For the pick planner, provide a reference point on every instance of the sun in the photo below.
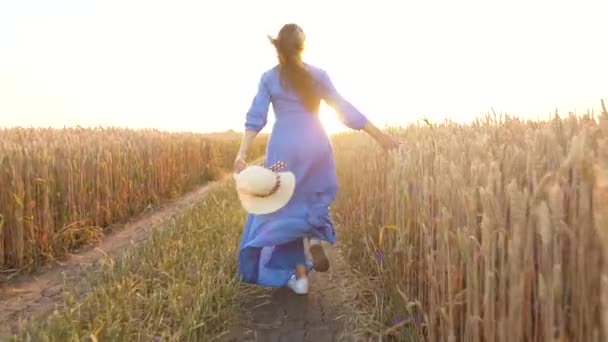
(330, 121)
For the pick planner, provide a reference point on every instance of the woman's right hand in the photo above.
(388, 142)
(239, 164)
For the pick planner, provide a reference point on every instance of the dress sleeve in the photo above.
(257, 115)
(347, 113)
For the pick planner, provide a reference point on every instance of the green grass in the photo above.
(178, 285)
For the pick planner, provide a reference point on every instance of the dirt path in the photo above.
(273, 315)
(27, 295)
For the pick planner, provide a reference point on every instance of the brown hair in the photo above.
(289, 45)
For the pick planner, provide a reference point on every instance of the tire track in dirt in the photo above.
(38, 293)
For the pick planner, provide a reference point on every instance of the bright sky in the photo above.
(194, 65)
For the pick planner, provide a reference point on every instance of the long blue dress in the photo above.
(272, 244)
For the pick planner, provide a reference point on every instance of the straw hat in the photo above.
(264, 190)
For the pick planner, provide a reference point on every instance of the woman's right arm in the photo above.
(348, 114)
(351, 116)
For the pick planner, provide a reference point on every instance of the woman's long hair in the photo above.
(289, 45)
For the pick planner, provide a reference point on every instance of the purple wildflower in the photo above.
(417, 317)
(379, 256)
(398, 319)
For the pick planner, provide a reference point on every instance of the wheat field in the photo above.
(60, 188)
(493, 231)
(178, 285)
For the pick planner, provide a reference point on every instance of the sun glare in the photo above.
(329, 118)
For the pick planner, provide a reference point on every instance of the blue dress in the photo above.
(273, 244)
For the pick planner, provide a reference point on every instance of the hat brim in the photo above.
(274, 202)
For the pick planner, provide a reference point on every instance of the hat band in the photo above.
(272, 191)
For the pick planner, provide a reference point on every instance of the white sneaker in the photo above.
(299, 286)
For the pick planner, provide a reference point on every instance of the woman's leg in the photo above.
(319, 260)
(296, 257)
(290, 254)
(301, 271)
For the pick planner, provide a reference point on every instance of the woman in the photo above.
(272, 247)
